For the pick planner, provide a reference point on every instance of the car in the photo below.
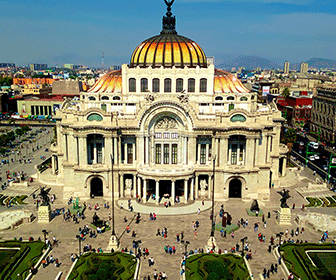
(301, 143)
(313, 145)
(317, 156)
(312, 158)
(325, 167)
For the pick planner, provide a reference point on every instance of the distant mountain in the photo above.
(248, 62)
(322, 63)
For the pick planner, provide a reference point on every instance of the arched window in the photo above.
(116, 98)
(144, 85)
(203, 85)
(230, 98)
(132, 85)
(191, 85)
(179, 85)
(167, 85)
(243, 98)
(156, 85)
(105, 98)
(91, 98)
(252, 97)
(218, 98)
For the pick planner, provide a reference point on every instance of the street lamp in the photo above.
(112, 194)
(44, 231)
(213, 196)
(79, 244)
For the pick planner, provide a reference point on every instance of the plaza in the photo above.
(163, 159)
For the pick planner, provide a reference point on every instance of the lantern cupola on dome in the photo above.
(168, 49)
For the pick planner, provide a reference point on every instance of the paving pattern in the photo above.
(146, 231)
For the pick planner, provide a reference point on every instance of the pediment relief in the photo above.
(166, 123)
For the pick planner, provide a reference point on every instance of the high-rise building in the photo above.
(304, 67)
(7, 65)
(38, 67)
(286, 67)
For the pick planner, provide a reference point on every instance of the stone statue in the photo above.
(166, 123)
(128, 184)
(203, 184)
(255, 206)
(184, 98)
(45, 196)
(150, 98)
(97, 221)
(284, 196)
(169, 4)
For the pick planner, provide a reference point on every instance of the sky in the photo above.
(79, 31)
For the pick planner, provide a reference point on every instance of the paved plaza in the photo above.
(178, 219)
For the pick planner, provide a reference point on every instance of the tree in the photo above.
(285, 92)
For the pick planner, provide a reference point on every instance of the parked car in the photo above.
(313, 145)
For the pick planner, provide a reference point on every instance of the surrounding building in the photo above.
(304, 68)
(323, 116)
(38, 67)
(296, 109)
(33, 81)
(68, 87)
(168, 126)
(35, 89)
(286, 67)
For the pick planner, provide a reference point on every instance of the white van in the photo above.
(313, 145)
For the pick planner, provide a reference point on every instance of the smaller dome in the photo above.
(227, 83)
(109, 83)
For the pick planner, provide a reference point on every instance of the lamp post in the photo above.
(79, 244)
(44, 231)
(213, 196)
(114, 242)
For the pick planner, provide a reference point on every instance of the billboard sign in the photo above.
(265, 90)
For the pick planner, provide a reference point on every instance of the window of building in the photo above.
(158, 153)
(144, 84)
(105, 98)
(132, 85)
(174, 136)
(166, 153)
(203, 85)
(218, 98)
(174, 154)
(179, 85)
(203, 154)
(167, 85)
(166, 135)
(156, 85)
(103, 107)
(230, 98)
(191, 85)
(231, 107)
(116, 98)
(241, 152)
(243, 98)
(91, 98)
(49, 110)
(158, 135)
(129, 153)
(234, 154)
(32, 109)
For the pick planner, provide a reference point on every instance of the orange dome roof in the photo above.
(109, 83)
(167, 50)
(224, 82)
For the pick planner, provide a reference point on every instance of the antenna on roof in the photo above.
(103, 61)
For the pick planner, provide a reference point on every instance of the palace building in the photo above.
(168, 125)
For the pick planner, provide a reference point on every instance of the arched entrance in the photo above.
(235, 188)
(96, 187)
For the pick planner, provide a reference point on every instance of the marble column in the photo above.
(134, 153)
(125, 153)
(192, 189)
(284, 166)
(209, 186)
(196, 187)
(139, 187)
(134, 186)
(173, 192)
(146, 149)
(115, 150)
(119, 149)
(82, 151)
(207, 154)
(157, 194)
(185, 191)
(198, 153)
(144, 191)
(122, 187)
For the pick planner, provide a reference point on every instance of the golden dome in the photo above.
(225, 82)
(167, 50)
(109, 83)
